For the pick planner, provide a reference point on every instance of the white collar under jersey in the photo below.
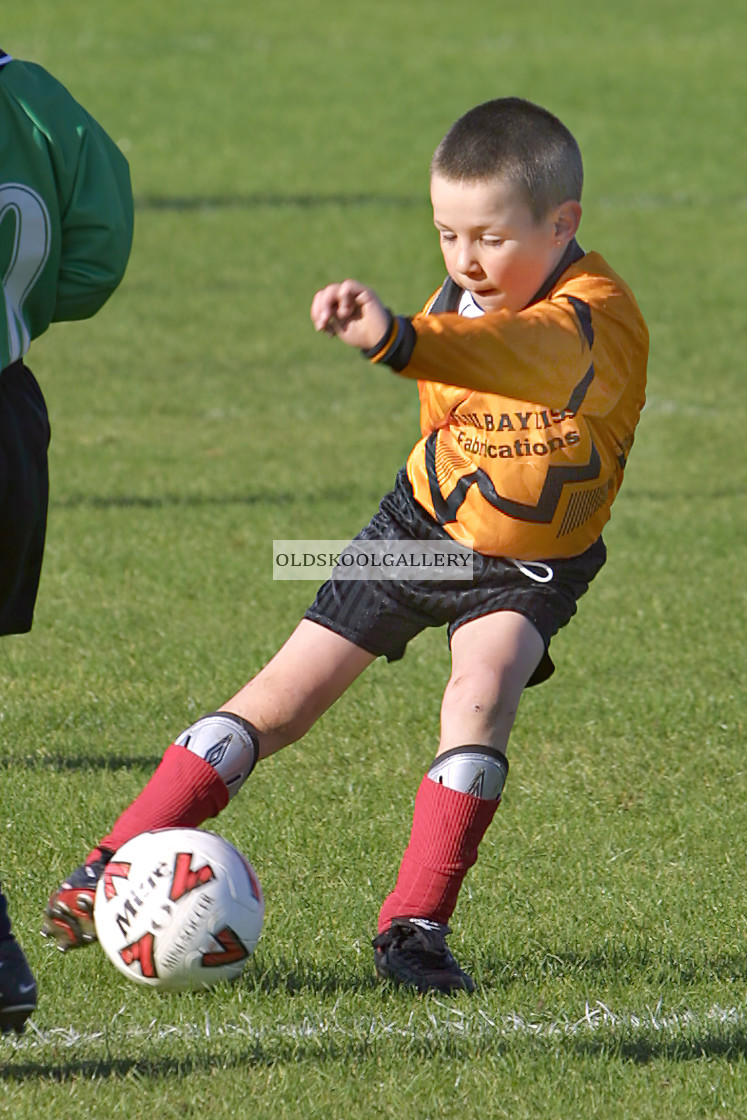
(469, 307)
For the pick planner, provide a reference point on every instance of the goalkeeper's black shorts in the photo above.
(383, 615)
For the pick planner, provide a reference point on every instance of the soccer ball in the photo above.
(178, 909)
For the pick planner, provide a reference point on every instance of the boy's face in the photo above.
(491, 242)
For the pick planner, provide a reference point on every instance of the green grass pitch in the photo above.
(274, 147)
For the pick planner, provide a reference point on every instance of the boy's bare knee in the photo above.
(481, 692)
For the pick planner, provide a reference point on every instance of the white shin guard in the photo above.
(228, 742)
(479, 771)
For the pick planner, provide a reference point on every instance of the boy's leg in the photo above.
(493, 657)
(276, 708)
(198, 773)
(304, 678)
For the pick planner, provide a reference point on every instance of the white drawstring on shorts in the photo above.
(528, 568)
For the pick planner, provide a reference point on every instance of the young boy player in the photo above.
(531, 362)
(66, 220)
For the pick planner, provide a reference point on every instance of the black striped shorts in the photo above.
(382, 616)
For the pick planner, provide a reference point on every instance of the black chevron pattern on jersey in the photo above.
(446, 507)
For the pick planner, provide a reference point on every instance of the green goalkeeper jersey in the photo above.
(66, 211)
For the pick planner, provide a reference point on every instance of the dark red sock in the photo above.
(447, 827)
(184, 791)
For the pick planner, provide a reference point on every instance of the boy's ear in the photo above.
(567, 219)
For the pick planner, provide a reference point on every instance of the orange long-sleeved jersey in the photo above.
(527, 419)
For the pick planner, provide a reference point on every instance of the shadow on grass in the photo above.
(274, 201)
(613, 964)
(301, 1044)
(304, 977)
(730, 1045)
(319, 1047)
(108, 1068)
(81, 762)
(395, 1025)
(161, 501)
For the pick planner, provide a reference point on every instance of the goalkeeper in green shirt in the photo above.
(66, 218)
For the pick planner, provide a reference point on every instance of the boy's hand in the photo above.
(352, 312)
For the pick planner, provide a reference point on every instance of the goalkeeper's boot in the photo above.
(68, 918)
(413, 951)
(17, 987)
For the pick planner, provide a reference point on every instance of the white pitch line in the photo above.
(475, 1025)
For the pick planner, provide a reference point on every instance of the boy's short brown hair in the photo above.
(515, 140)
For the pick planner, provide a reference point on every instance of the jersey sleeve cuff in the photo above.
(395, 347)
